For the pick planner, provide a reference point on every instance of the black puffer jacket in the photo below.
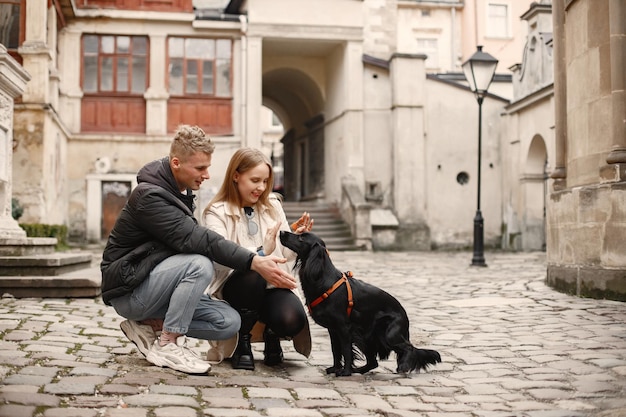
(158, 222)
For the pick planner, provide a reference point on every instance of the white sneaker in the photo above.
(177, 356)
(141, 335)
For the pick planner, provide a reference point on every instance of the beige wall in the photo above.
(452, 137)
(439, 23)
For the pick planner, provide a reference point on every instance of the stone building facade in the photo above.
(377, 116)
(586, 222)
(365, 107)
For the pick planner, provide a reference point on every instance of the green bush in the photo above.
(16, 209)
(47, 230)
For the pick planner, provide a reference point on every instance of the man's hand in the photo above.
(267, 266)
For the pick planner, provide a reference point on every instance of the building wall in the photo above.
(452, 141)
(437, 25)
(586, 221)
(377, 135)
(528, 145)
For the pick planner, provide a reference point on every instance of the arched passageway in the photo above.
(297, 100)
(534, 190)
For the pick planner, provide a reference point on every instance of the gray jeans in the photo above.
(174, 292)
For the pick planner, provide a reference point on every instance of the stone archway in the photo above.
(298, 101)
(533, 185)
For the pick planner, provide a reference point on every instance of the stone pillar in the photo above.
(408, 79)
(35, 53)
(617, 29)
(252, 91)
(353, 119)
(71, 93)
(156, 96)
(560, 96)
(13, 81)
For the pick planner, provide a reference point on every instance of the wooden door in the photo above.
(114, 196)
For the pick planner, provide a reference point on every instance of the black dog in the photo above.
(355, 313)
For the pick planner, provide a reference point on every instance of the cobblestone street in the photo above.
(510, 347)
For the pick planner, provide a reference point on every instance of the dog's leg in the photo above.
(345, 346)
(341, 345)
(335, 346)
(370, 363)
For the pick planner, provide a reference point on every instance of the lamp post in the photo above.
(479, 70)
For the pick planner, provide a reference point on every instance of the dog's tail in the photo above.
(414, 359)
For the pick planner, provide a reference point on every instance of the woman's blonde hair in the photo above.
(243, 160)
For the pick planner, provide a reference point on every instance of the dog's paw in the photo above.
(343, 372)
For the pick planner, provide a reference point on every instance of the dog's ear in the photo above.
(316, 261)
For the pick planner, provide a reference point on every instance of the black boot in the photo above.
(242, 358)
(273, 352)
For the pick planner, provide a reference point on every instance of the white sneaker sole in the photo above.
(162, 361)
(138, 338)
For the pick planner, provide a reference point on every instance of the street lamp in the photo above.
(479, 71)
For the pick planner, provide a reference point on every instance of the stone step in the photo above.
(77, 284)
(329, 225)
(52, 264)
(27, 246)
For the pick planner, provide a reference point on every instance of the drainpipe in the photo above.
(244, 75)
(452, 36)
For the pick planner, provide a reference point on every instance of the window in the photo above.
(200, 84)
(114, 80)
(498, 20)
(429, 47)
(199, 67)
(12, 25)
(115, 64)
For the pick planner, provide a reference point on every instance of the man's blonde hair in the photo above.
(189, 140)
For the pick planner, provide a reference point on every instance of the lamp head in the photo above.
(479, 70)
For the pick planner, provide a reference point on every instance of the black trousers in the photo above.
(280, 309)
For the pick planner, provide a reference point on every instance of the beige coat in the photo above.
(231, 222)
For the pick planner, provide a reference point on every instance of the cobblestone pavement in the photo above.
(510, 347)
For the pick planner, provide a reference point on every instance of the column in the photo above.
(353, 125)
(253, 92)
(71, 92)
(560, 97)
(35, 53)
(156, 96)
(408, 83)
(617, 29)
(13, 81)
